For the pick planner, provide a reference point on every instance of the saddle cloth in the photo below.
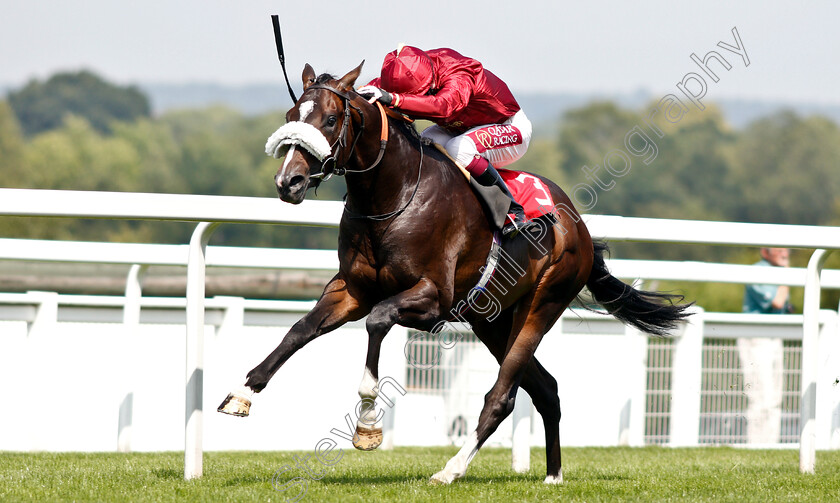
(529, 191)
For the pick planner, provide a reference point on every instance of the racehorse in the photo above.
(412, 242)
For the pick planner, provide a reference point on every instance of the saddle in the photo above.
(527, 189)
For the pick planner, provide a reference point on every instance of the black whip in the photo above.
(278, 39)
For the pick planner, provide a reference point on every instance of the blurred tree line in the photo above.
(76, 131)
(779, 169)
(215, 151)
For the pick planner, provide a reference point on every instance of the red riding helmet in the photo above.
(407, 70)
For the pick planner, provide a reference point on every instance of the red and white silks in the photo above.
(500, 144)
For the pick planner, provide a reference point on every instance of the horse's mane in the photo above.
(409, 127)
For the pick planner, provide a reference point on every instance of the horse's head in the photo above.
(314, 139)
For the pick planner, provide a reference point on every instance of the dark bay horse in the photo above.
(412, 241)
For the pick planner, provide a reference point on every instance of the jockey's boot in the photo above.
(491, 177)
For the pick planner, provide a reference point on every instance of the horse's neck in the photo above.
(389, 185)
(439, 207)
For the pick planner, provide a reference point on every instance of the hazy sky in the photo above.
(596, 46)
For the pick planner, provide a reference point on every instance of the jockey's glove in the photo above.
(373, 93)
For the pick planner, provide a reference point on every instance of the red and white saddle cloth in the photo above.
(529, 191)
(535, 198)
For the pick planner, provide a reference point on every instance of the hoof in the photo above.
(442, 478)
(235, 405)
(367, 440)
(554, 479)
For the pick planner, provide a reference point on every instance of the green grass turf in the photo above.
(591, 475)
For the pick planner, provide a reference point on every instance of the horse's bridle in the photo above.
(341, 141)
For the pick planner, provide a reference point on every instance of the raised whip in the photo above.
(278, 40)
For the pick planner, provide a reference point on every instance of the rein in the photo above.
(387, 216)
(342, 138)
(342, 142)
(383, 139)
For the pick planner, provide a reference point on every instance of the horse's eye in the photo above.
(331, 121)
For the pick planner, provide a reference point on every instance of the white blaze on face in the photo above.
(282, 142)
(305, 109)
(286, 162)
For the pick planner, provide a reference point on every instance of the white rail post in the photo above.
(828, 375)
(392, 363)
(46, 314)
(39, 330)
(131, 328)
(196, 265)
(632, 422)
(833, 368)
(810, 363)
(521, 438)
(687, 382)
(234, 315)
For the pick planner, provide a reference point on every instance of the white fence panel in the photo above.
(76, 406)
(217, 209)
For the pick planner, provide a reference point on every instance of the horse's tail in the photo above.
(652, 312)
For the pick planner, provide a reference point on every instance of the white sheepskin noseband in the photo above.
(298, 133)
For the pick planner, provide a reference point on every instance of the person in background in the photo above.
(762, 358)
(769, 299)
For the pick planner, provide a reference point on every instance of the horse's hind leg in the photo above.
(517, 366)
(542, 388)
(498, 404)
(523, 339)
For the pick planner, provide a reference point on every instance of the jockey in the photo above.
(477, 120)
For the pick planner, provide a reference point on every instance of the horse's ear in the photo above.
(348, 81)
(308, 76)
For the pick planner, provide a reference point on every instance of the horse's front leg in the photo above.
(417, 307)
(336, 307)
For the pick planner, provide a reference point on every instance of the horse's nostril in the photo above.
(296, 180)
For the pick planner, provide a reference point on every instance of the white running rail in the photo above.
(210, 211)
